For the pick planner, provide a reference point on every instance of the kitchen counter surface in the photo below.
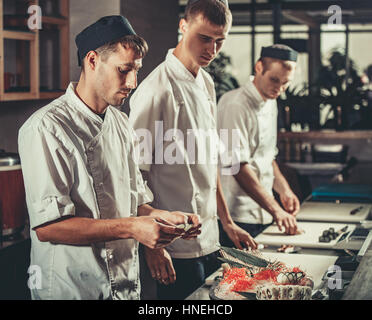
(360, 287)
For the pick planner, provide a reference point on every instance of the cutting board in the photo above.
(309, 239)
(333, 212)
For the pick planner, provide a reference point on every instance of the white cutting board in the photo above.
(335, 212)
(313, 265)
(310, 239)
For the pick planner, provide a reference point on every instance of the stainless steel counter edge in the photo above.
(360, 287)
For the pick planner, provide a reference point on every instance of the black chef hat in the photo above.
(105, 30)
(225, 2)
(285, 53)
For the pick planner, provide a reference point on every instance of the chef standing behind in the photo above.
(87, 202)
(252, 109)
(175, 102)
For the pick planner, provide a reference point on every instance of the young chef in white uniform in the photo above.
(252, 109)
(86, 198)
(176, 100)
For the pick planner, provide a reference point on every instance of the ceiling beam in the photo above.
(301, 5)
(301, 18)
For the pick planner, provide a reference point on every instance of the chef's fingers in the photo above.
(193, 219)
(279, 223)
(153, 272)
(290, 205)
(286, 226)
(195, 229)
(251, 243)
(296, 207)
(237, 243)
(171, 273)
(191, 235)
(292, 226)
(171, 230)
(164, 278)
(164, 222)
(295, 228)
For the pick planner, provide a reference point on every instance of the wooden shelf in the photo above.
(50, 95)
(55, 21)
(15, 96)
(326, 134)
(36, 39)
(19, 35)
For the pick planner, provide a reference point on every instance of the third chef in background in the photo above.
(252, 109)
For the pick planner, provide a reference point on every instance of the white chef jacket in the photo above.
(172, 97)
(76, 164)
(244, 109)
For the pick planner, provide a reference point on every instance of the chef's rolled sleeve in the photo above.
(50, 209)
(48, 177)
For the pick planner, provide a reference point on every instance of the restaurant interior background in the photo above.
(325, 122)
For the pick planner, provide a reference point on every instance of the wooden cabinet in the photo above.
(34, 62)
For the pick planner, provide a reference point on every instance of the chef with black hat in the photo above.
(252, 109)
(87, 202)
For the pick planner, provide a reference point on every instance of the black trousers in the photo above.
(190, 275)
(253, 229)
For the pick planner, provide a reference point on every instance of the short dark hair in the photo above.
(135, 42)
(214, 11)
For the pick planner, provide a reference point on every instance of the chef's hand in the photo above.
(154, 232)
(290, 202)
(239, 236)
(177, 217)
(286, 220)
(160, 265)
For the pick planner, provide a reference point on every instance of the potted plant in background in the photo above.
(340, 94)
(224, 81)
(342, 90)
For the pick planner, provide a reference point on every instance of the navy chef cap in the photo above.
(105, 30)
(225, 2)
(287, 53)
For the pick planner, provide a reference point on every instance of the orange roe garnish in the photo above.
(269, 275)
(243, 285)
(234, 274)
